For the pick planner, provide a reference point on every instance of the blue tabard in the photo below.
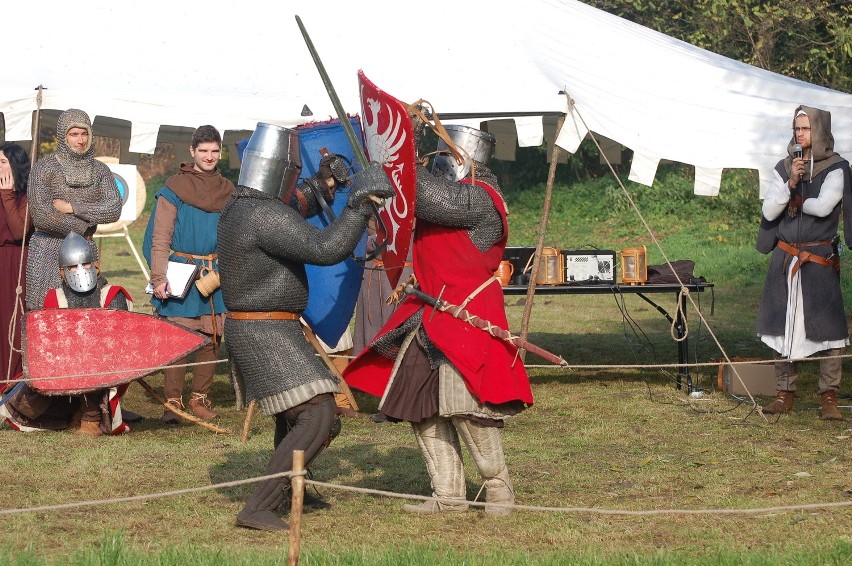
(195, 233)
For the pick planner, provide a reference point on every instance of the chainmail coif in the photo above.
(76, 178)
(78, 167)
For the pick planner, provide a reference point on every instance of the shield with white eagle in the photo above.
(389, 140)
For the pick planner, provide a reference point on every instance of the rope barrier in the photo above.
(567, 366)
(147, 496)
(396, 495)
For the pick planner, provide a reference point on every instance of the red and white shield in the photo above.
(72, 351)
(389, 140)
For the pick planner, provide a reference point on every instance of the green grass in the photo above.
(595, 438)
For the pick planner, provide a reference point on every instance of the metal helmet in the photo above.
(478, 144)
(76, 252)
(271, 162)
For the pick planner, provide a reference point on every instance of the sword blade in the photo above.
(347, 128)
(335, 101)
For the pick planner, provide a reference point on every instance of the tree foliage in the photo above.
(810, 40)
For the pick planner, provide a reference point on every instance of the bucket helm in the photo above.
(271, 161)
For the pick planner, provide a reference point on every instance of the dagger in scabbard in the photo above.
(484, 325)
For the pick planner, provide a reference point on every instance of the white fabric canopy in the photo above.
(181, 63)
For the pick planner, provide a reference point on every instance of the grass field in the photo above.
(598, 439)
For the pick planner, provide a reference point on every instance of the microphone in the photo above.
(795, 203)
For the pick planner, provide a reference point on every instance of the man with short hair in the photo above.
(801, 311)
(182, 228)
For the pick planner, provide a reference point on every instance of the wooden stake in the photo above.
(247, 423)
(181, 414)
(297, 486)
(542, 230)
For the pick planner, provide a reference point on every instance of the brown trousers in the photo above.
(202, 375)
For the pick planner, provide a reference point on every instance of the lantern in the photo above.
(634, 267)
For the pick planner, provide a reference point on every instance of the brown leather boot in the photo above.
(89, 428)
(200, 406)
(782, 405)
(828, 406)
(170, 417)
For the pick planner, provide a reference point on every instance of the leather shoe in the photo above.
(262, 520)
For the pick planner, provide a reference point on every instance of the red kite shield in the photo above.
(72, 351)
(389, 140)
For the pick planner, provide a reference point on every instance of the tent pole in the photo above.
(36, 127)
(542, 229)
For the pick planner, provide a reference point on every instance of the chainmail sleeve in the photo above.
(100, 204)
(47, 182)
(459, 205)
(264, 246)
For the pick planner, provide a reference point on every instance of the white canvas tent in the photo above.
(183, 64)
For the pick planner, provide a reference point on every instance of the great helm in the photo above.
(76, 251)
(478, 144)
(271, 163)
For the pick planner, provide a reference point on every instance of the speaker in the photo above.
(589, 266)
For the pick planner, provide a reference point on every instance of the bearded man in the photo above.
(69, 191)
(801, 310)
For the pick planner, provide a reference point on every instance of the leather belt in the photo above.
(208, 257)
(806, 256)
(379, 263)
(263, 315)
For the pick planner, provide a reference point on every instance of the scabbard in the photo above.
(484, 325)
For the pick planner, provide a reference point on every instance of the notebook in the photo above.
(180, 277)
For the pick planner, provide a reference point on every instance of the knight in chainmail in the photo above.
(264, 245)
(69, 191)
(89, 414)
(446, 378)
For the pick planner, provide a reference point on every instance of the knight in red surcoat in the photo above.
(445, 377)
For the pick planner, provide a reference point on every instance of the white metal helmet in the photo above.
(271, 162)
(478, 144)
(77, 253)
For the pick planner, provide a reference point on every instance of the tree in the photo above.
(810, 40)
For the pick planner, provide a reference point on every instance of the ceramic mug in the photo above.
(504, 272)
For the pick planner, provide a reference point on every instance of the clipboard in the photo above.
(180, 277)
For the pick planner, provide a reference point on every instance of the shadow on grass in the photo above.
(398, 469)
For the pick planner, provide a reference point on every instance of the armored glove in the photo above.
(372, 181)
(335, 168)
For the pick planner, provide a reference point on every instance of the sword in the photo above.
(484, 325)
(347, 128)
